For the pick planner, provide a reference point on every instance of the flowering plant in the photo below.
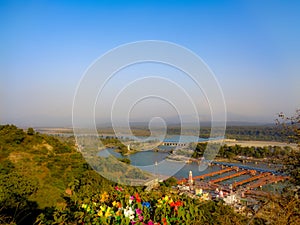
(110, 209)
(129, 206)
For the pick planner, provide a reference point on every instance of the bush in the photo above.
(30, 131)
(129, 206)
(125, 160)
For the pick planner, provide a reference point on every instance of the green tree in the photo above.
(30, 131)
(199, 151)
(171, 181)
(11, 135)
(15, 191)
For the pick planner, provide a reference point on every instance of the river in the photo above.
(146, 160)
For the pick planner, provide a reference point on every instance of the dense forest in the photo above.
(261, 133)
(45, 180)
(230, 152)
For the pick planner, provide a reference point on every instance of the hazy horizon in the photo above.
(252, 47)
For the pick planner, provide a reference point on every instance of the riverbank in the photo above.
(188, 160)
(232, 142)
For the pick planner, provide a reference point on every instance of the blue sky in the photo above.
(251, 46)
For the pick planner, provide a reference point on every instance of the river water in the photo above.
(155, 162)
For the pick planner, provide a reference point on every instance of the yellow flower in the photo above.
(119, 213)
(108, 212)
(104, 197)
(159, 203)
(117, 204)
(167, 199)
(102, 208)
(100, 213)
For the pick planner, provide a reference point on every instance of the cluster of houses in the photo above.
(204, 191)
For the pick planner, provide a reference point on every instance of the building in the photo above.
(190, 178)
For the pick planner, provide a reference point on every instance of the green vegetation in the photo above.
(114, 142)
(291, 126)
(253, 133)
(125, 160)
(269, 132)
(255, 152)
(171, 181)
(257, 133)
(35, 170)
(125, 205)
(230, 152)
(30, 131)
(44, 180)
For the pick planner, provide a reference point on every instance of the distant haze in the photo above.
(251, 46)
